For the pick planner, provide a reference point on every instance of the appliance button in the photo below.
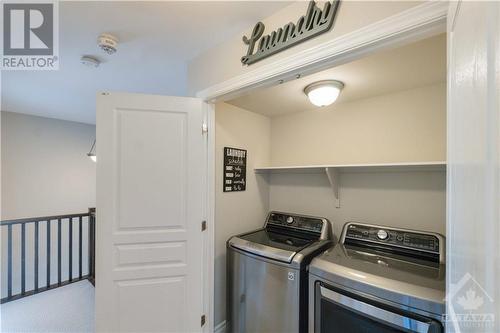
(289, 220)
(382, 234)
(400, 238)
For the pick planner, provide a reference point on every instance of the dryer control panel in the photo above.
(372, 235)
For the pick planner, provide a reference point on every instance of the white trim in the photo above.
(453, 11)
(210, 248)
(209, 217)
(204, 128)
(220, 328)
(420, 21)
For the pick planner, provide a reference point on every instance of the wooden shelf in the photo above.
(333, 172)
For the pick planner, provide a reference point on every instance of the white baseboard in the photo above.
(220, 328)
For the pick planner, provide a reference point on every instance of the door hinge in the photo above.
(202, 320)
(203, 225)
(204, 128)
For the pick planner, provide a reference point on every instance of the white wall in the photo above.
(238, 212)
(45, 171)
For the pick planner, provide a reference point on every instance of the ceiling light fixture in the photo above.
(323, 93)
(92, 153)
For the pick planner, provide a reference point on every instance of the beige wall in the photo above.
(237, 212)
(222, 62)
(406, 126)
(413, 200)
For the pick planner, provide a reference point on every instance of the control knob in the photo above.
(289, 220)
(382, 234)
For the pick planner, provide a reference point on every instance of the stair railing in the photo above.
(24, 238)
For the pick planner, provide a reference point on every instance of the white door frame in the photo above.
(410, 25)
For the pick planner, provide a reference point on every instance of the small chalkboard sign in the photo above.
(235, 169)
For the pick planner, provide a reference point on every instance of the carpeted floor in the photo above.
(65, 309)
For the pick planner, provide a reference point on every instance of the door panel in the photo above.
(155, 296)
(142, 136)
(149, 209)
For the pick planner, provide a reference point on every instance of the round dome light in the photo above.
(323, 93)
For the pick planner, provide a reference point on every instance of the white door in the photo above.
(151, 166)
(473, 228)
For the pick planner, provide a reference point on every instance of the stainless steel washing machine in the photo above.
(267, 273)
(379, 279)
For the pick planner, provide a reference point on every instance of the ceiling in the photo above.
(411, 66)
(157, 39)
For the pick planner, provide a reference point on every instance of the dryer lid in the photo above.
(412, 283)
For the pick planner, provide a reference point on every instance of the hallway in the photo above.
(65, 309)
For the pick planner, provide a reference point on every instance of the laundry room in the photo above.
(281, 166)
(373, 154)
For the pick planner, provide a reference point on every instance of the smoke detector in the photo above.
(90, 61)
(107, 43)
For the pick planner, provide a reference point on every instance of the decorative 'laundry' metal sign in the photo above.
(315, 22)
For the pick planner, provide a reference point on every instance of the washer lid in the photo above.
(278, 240)
(270, 244)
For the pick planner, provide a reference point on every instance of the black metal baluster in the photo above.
(92, 274)
(70, 242)
(11, 292)
(48, 254)
(89, 242)
(59, 251)
(9, 261)
(23, 258)
(36, 256)
(80, 247)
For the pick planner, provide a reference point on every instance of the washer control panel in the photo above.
(419, 241)
(303, 223)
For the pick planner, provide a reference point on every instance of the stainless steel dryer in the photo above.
(379, 279)
(267, 273)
